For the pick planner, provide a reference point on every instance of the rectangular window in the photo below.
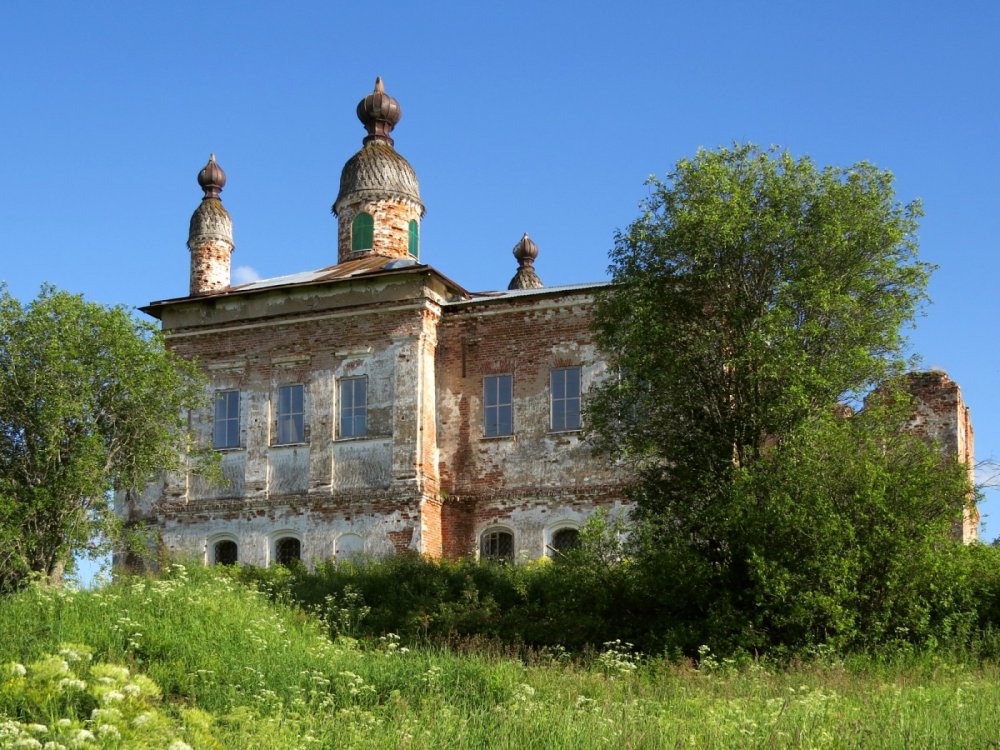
(291, 415)
(227, 420)
(564, 385)
(498, 408)
(353, 407)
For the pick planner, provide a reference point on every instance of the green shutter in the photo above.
(414, 238)
(362, 232)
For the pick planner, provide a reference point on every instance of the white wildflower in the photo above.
(17, 670)
(178, 745)
(109, 730)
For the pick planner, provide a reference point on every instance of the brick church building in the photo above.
(375, 405)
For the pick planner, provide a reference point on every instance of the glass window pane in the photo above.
(558, 383)
(572, 381)
(572, 419)
(504, 396)
(359, 425)
(506, 420)
(558, 416)
(490, 391)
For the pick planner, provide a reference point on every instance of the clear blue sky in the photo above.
(537, 117)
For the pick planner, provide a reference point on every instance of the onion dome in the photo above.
(211, 178)
(525, 251)
(378, 171)
(210, 222)
(379, 113)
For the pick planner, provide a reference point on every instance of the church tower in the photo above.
(210, 238)
(378, 209)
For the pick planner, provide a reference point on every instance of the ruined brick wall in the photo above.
(532, 481)
(210, 267)
(392, 221)
(941, 415)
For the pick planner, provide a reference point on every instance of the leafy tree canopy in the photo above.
(754, 296)
(90, 402)
(754, 290)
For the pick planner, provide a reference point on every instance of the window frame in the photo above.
(413, 238)
(551, 549)
(281, 438)
(212, 543)
(356, 410)
(228, 418)
(494, 429)
(215, 551)
(560, 405)
(498, 557)
(277, 540)
(362, 231)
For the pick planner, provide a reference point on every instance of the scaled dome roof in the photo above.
(377, 171)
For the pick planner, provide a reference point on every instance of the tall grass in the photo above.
(238, 670)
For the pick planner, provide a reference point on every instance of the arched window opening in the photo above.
(362, 232)
(414, 245)
(349, 547)
(496, 545)
(287, 550)
(564, 540)
(226, 552)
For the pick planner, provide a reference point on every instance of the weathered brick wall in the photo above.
(210, 267)
(327, 486)
(940, 414)
(528, 481)
(392, 225)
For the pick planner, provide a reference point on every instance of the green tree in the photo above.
(90, 402)
(755, 292)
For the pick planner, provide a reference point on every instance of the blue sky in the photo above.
(537, 117)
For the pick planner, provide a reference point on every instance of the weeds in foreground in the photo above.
(199, 660)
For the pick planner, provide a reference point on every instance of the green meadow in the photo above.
(196, 660)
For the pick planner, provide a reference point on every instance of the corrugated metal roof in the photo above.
(515, 293)
(343, 270)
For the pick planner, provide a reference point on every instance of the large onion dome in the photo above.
(377, 170)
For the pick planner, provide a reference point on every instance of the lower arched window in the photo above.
(497, 545)
(564, 540)
(225, 552)
(287, 550)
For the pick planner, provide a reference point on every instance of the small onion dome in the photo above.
(525, 251)
(211, 178)
(379, 113)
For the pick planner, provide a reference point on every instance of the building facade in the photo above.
(375, 405)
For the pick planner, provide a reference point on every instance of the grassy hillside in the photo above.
(197, 661)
